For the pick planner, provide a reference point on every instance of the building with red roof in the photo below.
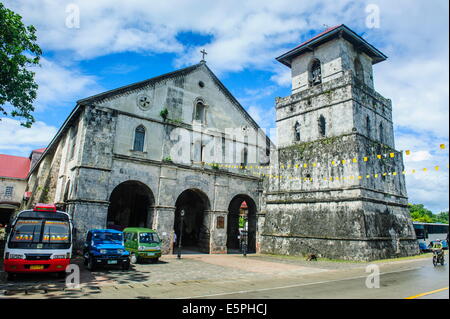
(13, 181)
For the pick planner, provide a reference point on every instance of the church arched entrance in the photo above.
(131, 205)
(241, 217)
(192, 228)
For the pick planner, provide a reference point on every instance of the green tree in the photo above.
(419, 213)
(18, 51)
(442, 217)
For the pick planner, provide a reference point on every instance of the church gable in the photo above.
(177, 94)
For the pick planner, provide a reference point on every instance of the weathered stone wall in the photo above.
(341, 195)
(104, 158)
(336, 56)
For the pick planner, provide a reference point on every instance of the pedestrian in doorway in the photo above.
(174, 239)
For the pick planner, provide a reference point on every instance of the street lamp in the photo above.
(181, 234)
(245, 237)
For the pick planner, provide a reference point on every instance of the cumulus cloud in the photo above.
(20, 141)
(59, 85)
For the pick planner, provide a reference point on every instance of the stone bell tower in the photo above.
(337, 187)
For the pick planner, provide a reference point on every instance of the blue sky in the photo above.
(128, 41)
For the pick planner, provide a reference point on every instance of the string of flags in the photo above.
(333, 162)
(351, 177)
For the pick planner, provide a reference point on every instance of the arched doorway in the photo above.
(241, 211)
(131, 205)
(194, 229)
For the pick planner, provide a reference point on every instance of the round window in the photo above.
(144, 101)
(201, 84)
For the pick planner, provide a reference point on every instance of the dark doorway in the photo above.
(195, 230)
(5, 215)
(131, 205)
(242, 209)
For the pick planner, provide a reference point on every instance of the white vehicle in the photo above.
(40, 240)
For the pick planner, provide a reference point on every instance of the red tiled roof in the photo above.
(14, 166)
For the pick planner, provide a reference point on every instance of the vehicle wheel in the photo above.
(133, 259)
(155, 260)
(434, 261)
(61, 274)
(90, 264)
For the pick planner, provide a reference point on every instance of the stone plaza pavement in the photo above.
(182, 276)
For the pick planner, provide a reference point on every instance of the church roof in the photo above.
(327, 35)
(14, 166)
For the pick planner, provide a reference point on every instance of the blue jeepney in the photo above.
(105, 247)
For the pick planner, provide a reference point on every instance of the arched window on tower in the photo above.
(139, 138)
(369, 133)
(359, 71)
(297, 131)
(381, 133)
(322, 126)
(315, 73)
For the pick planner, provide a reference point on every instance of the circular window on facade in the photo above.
(201, 84)
(144, 101)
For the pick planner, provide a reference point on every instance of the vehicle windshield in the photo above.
(38, 233)
(105, 237)
(148, 238)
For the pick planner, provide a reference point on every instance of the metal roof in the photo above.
(14, 166)
(327, 35)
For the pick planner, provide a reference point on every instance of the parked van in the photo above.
(143, 244)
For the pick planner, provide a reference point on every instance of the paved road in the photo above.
(414, 281)
(235, 277)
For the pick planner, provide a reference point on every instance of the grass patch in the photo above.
(303, 258)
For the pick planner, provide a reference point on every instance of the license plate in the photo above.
(150, 254)
(37, 267)
(112, 262)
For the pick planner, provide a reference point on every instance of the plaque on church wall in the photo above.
(220, 222)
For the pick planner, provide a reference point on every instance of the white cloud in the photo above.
(261, 116)
(20, 141)
(60, 85)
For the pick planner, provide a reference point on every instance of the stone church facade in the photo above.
(141, 154)
(112, 162)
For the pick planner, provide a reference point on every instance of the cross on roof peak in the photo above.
(203, 52)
